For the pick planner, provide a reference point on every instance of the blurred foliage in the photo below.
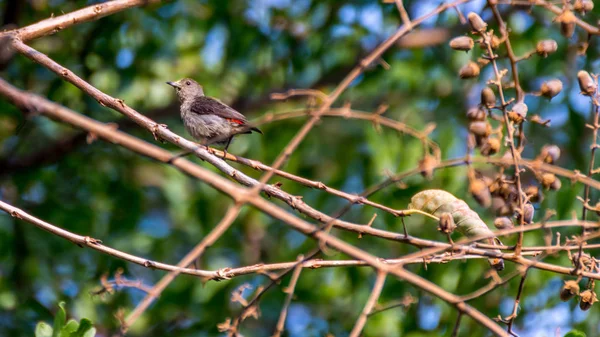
(242, 51)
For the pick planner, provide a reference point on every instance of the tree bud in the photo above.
(469, 70)
(550, 153)
(480, 128)
(503, 223)
(568, 290)
(546, 47)
(488, 98)
(464, 43)
(586, 83)
(587, 299)
(476, 22)
(490, 146)
(551, 88)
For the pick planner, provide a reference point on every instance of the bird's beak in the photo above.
(173, 84)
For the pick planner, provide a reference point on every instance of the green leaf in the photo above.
(71, 326)
(60, 319)
(85, 326)
(575, 333)
(43, 329)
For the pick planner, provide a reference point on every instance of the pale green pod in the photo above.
(467, 221)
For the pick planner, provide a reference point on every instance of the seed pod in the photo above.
(500, 207)
(546, 47)
(462, 43)
(490, 147)
(446, 224)
(533, 193)
(476, 22)
(480, 192)
(587, 299)
(521, 109)
(528, 212)
(427, 165)
(488, 98)
(550, 153)
(503, 223)
(567, 22)
(476, 114)
(556, 185)
(507, 159)
(568, 290)
(547, 180)
(480, 128)
(587, 85)
(469, 70)
(583, 6)
(551, 88)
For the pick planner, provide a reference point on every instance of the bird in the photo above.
(206, 118)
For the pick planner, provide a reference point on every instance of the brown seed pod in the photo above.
(469, 70)
(476, 114)
(476, 22)
(480, 192)
(567, 22)
(568, 290)
(528, 212)
(583, 6)
(446, 224)
(586, 83)
(546, 47)
(501, 207)
(533, 193)
(521, 109)
(547, 179)
(427, 165)
(490, 146)
(503, 223)
(556, 185)
(587, 299)
(462, 43)
(488, 98)
(551, 88)
(550, 153)
(480, 128)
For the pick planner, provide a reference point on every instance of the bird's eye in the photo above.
(188, 83)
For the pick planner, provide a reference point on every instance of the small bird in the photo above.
(208, 119)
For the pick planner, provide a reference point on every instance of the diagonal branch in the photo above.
(55, 24)
(240, 194)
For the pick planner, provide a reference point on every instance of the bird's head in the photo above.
(187, 88)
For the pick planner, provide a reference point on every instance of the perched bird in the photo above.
(207, 119)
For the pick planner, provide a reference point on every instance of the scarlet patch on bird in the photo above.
(237, 121)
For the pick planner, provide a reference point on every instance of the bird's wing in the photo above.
(210, 106)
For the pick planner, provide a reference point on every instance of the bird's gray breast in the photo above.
(205, 127)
